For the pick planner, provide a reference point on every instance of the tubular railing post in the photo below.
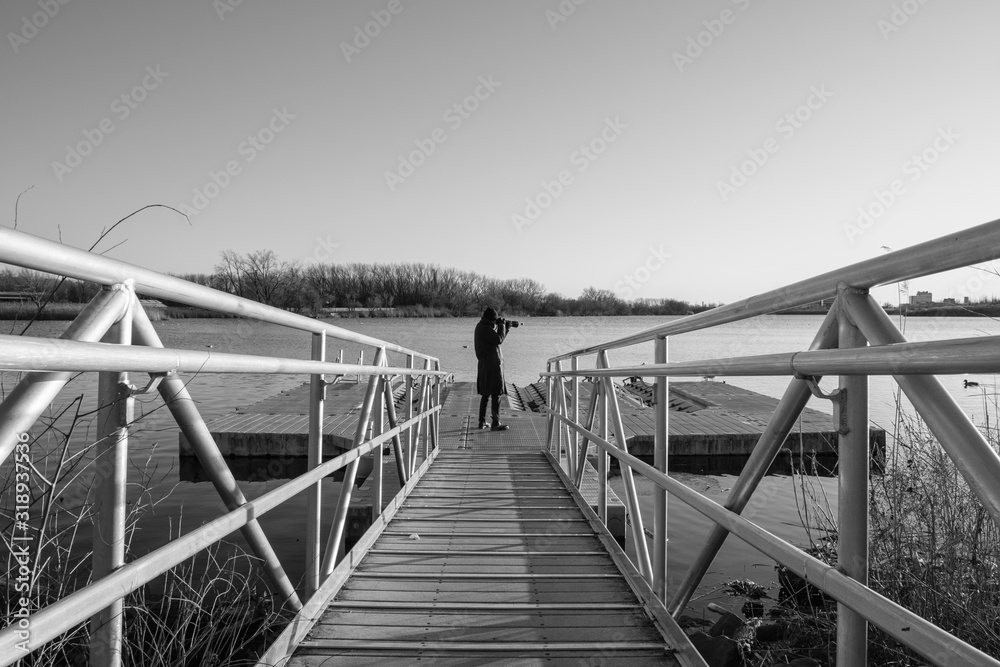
(564, 410)
(560, 407)
(411, 450)
(426, 402)
(570, 463)
(436, 417)
(638, 534)
(350, 472)
(378, 416)
(854, 457)
(602, 456)
(971, 453)
(177, 399)
(402, 470)
(314, 498)
(31, 397)
(114, 414)
(427, 420)
(421, 407)
(585, 448)
(565, 435)
(778, 427)
(549, 406)
(574, 438)
(660, 452)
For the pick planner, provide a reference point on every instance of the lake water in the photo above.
(526, 350)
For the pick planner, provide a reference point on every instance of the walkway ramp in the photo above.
(490, 557)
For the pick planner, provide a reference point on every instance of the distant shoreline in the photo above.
(68, 311)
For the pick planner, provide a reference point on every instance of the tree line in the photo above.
(408, 288)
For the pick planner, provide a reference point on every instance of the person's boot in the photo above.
(497, 426)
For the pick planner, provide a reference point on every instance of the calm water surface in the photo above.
(185, 504)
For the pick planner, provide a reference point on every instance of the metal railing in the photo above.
(116, 316)
(856, 339)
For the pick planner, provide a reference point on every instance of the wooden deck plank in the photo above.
(383, 658)
(489, 632)
(591, 585)
(483, 617)
(489, 597)
(504, 543)
(485, 561)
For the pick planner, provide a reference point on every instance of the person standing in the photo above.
(490, 332)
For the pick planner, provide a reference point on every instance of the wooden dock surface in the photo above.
(705, 419)
(279, 425)
(491, 560)
(717, 419)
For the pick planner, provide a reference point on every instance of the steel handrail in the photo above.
(903, 625)
(855, 319)
(949, 357)
(49, 363)
(971, 246)
(52, 354)
(31, 252)
(77, 607)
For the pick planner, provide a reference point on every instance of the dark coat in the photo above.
(489, 336)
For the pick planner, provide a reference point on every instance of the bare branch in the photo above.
(18, 201)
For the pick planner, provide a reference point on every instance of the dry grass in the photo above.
(933, 549)
(214, 609)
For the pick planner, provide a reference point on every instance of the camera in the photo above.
(513, 323)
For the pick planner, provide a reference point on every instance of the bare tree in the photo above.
(260, 276)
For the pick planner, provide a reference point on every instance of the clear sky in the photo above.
(706, 151)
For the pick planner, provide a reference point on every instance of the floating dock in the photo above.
(278, 426)
(707, 419)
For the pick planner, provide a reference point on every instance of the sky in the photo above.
(704, 151)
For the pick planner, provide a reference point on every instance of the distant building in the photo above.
(949, 301)
(921, 298)
(966, 301)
